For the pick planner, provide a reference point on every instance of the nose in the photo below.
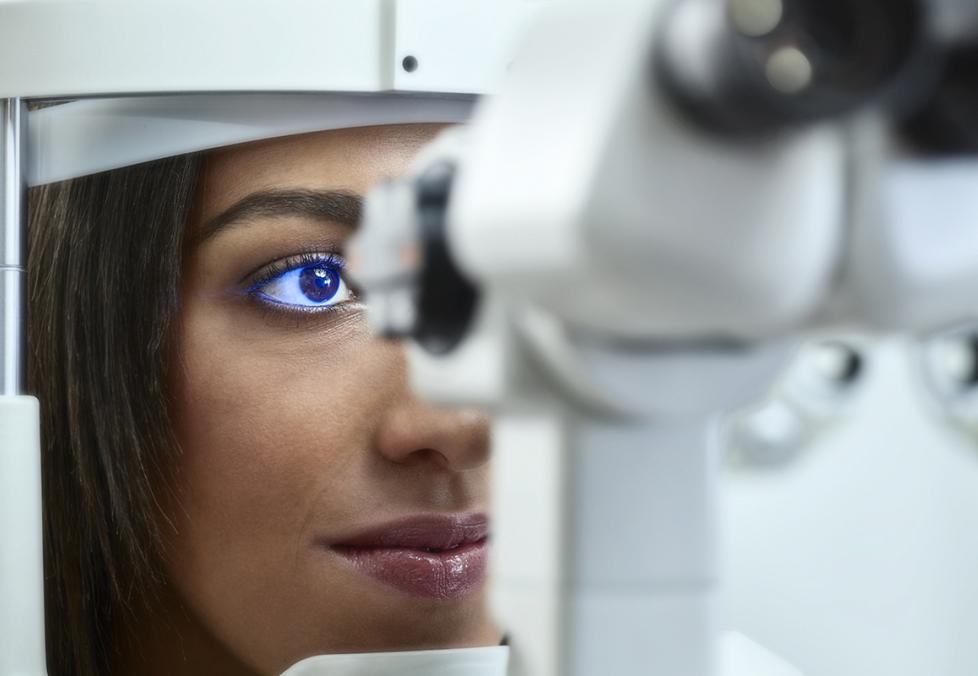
(413, 431)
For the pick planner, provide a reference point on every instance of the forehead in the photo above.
(345, 159)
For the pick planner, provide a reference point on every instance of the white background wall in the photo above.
(861, 559)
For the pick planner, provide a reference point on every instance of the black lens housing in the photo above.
(947, 123)
(859, 52)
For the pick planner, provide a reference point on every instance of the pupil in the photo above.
(319, 284)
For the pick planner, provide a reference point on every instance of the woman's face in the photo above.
(299, 433)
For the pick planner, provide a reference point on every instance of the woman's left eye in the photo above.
(305, 284)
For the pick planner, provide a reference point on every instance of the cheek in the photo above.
(270, 431)
(261, 424)
(273, 429)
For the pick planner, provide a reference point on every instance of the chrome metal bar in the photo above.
(13, 235)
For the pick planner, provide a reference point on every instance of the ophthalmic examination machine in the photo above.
(625, 243)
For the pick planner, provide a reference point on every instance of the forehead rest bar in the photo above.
(85, 137)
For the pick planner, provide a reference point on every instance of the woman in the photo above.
(236, 475)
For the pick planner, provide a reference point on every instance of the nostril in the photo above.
(416, 434)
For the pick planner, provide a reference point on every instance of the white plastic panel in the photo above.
(454, 42)
(70, 48)
(21, 569)
(79, 47)
(84, 137)
(489, 661)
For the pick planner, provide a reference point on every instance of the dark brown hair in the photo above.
(104, 266)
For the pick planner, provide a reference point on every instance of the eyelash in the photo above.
(271, 272)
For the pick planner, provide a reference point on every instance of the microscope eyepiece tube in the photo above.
(447, 299)
(13, 232)
(756, 66)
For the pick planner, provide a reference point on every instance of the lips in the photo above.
(431, 556)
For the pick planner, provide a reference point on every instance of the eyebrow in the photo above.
(335, 206)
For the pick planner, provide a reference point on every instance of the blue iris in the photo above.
(319, 284)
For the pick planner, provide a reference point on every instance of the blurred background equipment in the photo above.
(813, 396)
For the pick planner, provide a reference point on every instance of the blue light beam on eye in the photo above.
(306, 286)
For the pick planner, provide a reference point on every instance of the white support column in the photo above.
(641, 531)
(21, 553)
(605, 558)
(13, 233)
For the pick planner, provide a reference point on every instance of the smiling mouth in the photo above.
(430, 556)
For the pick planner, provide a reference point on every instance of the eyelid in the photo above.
(271, 271)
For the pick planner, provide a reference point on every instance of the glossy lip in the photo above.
(432, 556)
